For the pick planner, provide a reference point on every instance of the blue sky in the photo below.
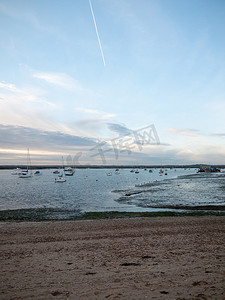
(164, 65)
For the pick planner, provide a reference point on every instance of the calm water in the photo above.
(93, 190)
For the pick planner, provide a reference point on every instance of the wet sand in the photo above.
(143, 258)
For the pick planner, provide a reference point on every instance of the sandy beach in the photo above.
(142, 258)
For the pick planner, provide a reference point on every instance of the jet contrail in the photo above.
(96, 29)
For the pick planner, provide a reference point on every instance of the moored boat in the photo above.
(26, 173)
(56, 172)
(37, 172)
(117, 171)
(60, 178)
(69, 171)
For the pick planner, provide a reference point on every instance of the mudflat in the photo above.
(139, 258)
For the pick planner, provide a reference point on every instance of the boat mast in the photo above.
(27, 158)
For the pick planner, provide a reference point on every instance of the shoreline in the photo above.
(192, 166)
(130, 258)
(56, 214)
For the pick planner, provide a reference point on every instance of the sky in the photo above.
(84, 85)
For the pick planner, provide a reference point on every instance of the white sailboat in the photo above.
(117, 171)
(69, 171)
(26, 173)
(61, 177)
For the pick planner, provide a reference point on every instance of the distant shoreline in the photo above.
(9, 167)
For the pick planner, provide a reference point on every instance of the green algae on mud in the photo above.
(116, 214)
(52, 214)
(38, 214)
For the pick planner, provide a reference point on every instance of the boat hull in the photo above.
(25, 175)
(60, 179)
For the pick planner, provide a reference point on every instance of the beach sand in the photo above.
(142, 258)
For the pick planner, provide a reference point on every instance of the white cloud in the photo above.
(9, 87)
(26, 107)
(13, 94)
(100, 115)
(88, 111)
(197, 153)
(184, 132)
(59, 79)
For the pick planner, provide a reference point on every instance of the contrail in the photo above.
(96, 29)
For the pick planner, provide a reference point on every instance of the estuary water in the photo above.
(92, 190)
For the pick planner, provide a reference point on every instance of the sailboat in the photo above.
(26, 173)
(60, 177)
(69, 171)
(117, 171)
